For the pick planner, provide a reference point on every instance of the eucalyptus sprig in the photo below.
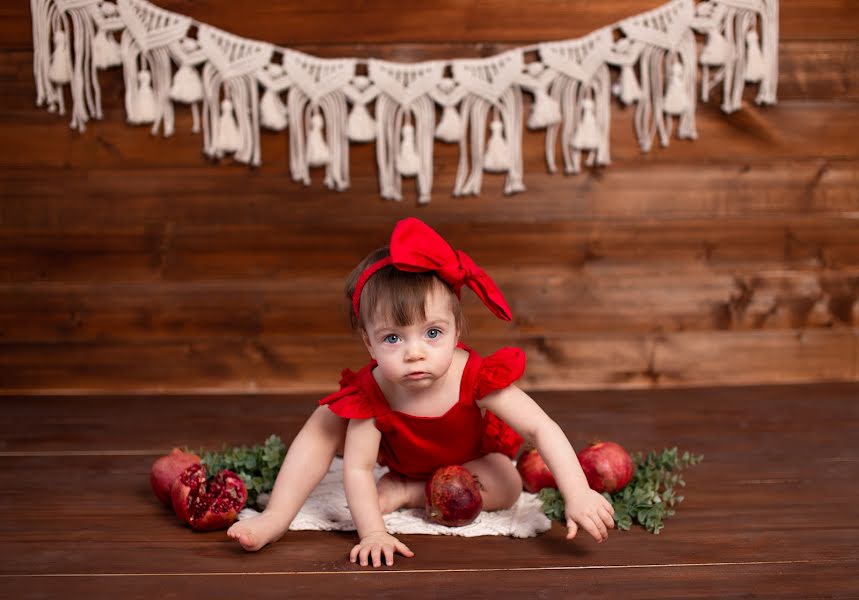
(648, 499)
(257, 465)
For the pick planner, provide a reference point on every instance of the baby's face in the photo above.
(418, 355)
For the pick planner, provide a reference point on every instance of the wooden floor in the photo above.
(772, 511)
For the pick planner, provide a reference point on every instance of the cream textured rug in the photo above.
(326, 510)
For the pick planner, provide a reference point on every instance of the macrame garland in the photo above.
(231, 121)
(56, 24)
(146, 62)
(582, 88)
(448, 94)
(316, 106)
(405, 124)
(669, 53)
(187, 86)
(273, 113)
(361, 127)
(490, 84)
(326, 105)
(740, 53)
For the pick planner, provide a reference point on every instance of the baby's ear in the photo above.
(366, 339)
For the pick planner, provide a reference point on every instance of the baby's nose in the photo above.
(414, 350)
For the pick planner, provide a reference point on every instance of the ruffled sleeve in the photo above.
(352, 401)
(499, 370)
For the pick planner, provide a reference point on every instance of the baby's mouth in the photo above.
(417, 375)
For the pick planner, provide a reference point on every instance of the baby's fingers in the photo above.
(601, 528)
(377, 555)
(388, 550)
(403, 549)
(590, 526)
(606, 518)
(572, 528)
(353, 555)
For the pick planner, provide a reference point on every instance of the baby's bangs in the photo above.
(396, 296)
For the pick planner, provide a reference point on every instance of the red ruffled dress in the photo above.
(415, 446)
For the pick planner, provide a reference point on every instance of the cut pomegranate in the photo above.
(208, 504)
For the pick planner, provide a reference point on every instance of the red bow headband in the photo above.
(417, 248)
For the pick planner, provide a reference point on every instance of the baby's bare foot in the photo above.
(256, 532)
(396, 493)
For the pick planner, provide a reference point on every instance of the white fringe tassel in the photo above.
(56, 63)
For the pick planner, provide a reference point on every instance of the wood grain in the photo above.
(560, 361)
(757, 519)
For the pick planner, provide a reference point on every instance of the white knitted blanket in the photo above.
(326, 510)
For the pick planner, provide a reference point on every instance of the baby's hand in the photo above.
(373, 544)
(591, 511)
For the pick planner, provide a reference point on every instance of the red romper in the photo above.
(415, 446)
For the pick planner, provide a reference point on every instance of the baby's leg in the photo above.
(396, 492)
(499, 479)
(306, 463)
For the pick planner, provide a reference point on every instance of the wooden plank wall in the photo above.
(130, 264)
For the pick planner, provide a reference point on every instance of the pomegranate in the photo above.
(535, 474)
(166, 469)
(208, 504)
(607, 466)
(453, 496)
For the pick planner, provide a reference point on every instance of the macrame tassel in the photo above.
(408, 161)
(145, 112)
(545, 111)
(751, 57)
(491, 84)
(450, 126)
(105, 50)
(587, 134)
(676, 101)
(497, 159)
(754, 58)
(628, 90)
(187, 86)
(448, 94)
(361, 126)
(229, 138)
(272, 111)
(60, 71)
(715, 51)
(318, 154)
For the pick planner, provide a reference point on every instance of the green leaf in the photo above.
(647, 499)
(257, 465)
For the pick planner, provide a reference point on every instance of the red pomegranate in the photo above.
(453, 496)
(535, 474)
(166, 469)
(208, 504)
(607, 466)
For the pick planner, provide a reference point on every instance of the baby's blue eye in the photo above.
(433, 333)
(391, 339)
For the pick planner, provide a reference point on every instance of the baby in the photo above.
(424, 401)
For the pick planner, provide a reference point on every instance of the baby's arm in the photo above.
(584, 507)
(359, 457)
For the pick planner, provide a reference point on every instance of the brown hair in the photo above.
(401, 294)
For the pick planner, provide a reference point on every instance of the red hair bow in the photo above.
(416, 247)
